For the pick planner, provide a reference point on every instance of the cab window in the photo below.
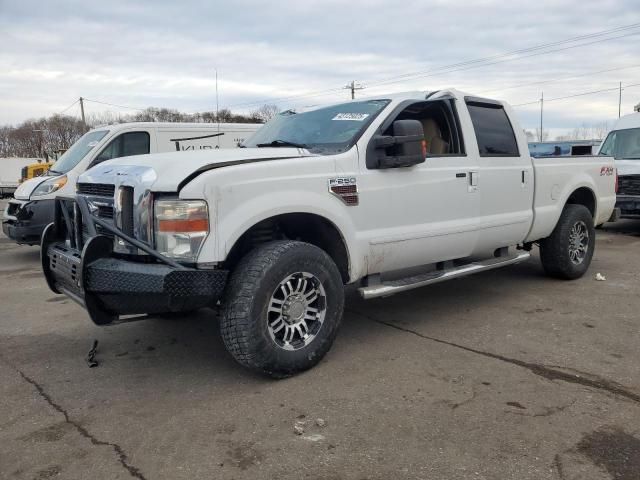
(440, 124)
(125, 145)
(494, 132)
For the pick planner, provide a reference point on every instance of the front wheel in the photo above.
(282, 308)
(567, 252)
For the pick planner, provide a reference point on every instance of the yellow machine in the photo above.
(34, 170)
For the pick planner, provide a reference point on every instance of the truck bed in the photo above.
(555, 181)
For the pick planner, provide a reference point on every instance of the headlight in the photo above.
(181, 227)
(50, 186)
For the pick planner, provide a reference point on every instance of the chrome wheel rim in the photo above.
(297, 310)
(578, 242)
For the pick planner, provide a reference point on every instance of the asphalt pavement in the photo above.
(503, 375)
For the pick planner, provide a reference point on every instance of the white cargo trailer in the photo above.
(10, 173)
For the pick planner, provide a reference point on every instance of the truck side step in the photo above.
(403, 284)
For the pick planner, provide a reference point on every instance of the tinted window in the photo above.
(125, 145)
(135, 143)
(493, 130)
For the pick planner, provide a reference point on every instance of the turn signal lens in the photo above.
(194, 225)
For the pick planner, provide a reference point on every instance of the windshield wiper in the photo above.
(281, 143)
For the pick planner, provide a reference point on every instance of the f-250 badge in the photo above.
(608, 171)
(345, 188)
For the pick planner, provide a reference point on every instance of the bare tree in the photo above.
(588, 131)
(542, 136)
(40, 138)
(530, 136)
(265, 112)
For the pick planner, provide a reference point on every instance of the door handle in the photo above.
(461, 175)
(473, 182)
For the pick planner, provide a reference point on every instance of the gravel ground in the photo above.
(503, 375)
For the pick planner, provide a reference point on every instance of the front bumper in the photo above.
(109, 286)
(25, 221)
(629, 206)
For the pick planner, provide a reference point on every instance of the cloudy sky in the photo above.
(300, 53)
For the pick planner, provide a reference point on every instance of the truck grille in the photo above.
(629, 185)
(97, 189)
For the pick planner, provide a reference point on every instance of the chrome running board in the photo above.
(403, 284)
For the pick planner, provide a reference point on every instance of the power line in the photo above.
(475, 63)
(576, 95)
(466, 65)
(113, 105)
(522, 50)
(292, 97)
(437, 72)
(62, 111)
(587, 74)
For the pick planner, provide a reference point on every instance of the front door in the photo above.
(428, 212)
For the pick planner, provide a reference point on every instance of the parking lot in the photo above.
(504, 375)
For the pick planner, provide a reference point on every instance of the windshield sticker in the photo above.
(355, 117)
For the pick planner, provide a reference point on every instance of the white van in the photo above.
(32, 207)
(623, 144)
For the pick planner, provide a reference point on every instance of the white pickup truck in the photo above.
(389, 194)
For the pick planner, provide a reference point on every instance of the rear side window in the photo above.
(494, 132)
(125, 145)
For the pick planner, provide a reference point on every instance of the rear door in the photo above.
(504, 179)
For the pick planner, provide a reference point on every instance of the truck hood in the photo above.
(26, 188)
(628, 167)
(168, 172)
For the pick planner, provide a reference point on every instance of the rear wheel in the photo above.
(567, 252)
(282, 308)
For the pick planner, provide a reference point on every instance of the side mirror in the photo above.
(404, 148)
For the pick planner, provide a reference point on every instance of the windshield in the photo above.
(78, 151)
(327, 130)
(622, 144)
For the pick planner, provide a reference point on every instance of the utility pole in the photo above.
(353, 86)
(82, 111)
(620, 100)
(541, 113)
(217, 104)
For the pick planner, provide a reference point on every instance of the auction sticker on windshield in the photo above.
(357, 117)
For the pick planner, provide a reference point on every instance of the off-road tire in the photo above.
(554, 250)
(243, 323)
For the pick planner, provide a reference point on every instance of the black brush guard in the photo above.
(82, 265)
